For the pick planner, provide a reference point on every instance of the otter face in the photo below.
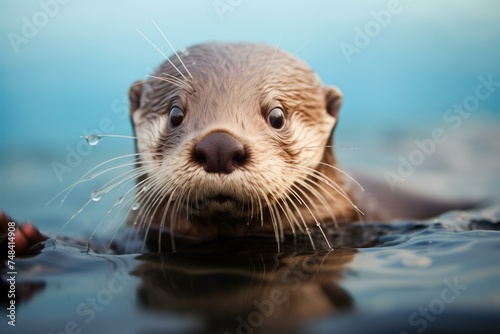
(233, 132)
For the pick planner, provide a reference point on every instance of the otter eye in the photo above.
(175, 117)
(276, 118)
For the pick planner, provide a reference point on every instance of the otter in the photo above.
(232, 140)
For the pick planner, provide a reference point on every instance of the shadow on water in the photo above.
(412, 277)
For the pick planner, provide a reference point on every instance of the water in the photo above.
(96, 196)
(93, 140)
(71, 78)
(404, 277)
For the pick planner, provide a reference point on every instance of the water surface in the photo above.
(433, 276)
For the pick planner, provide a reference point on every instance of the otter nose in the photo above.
(219, 153)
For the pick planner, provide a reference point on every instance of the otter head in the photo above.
(234, 137)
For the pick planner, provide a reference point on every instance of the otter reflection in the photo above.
(246, 293)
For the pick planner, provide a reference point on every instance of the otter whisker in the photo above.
(293, 217)
(310, 187)
(158, 189)
(335, 186)
(261, 210)
(187, 200)
(132, 199)
(312, 173)
(164, 79)
(93, 176)
(137, 198)
(73, 216)
(323, 200)
(85, 177)
(309, 147)
(258, 204)
(318, 224)
(171, 81)
(149, 215)
(279, 69)
(274, 223)
(279, 224)
(119, 201)
(91, 200)
(145, 207)
(163, 217)
(285, 212)
(345, 173)
(275, 212)
(306, 227)
(161, 52)
(111, 184)
(141, 197)
(158, 194)
(176, 79)
(165, 37)
(252, 210)
(95, 138)
(272, 58)
(136, 170)
(151, 186)
(174, 215)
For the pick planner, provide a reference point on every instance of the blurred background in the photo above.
(66, 67)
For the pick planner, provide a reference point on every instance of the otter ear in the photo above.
(134, 96)
(333, 98)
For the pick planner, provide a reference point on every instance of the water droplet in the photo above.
(93, 140)
(96, 195)
(136, 206)
(134, 223)
(119, 200)
(193, 63)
